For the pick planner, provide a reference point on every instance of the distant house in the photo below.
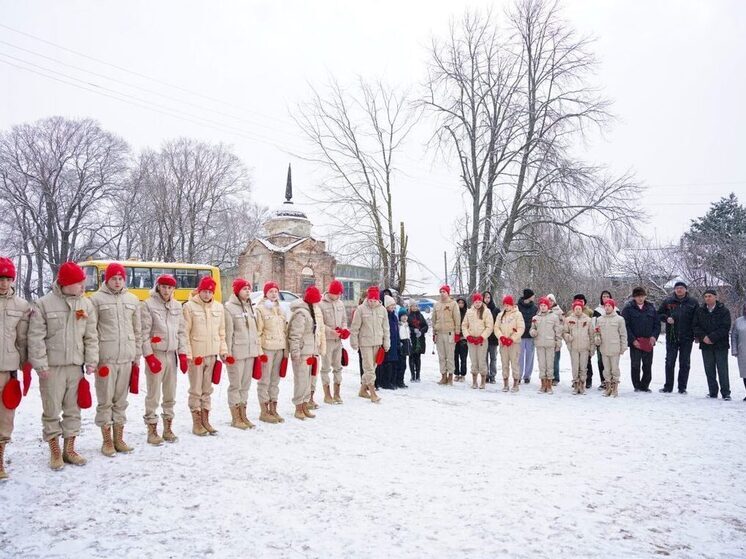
(356, 280)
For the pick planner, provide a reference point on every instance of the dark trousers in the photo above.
(716, 368)
(360, 363)
(460, 354)
(415, 364)
(589, 378)
(401, 368)
(386, 374)
(682, 349)
(556, 365)
(644, 358)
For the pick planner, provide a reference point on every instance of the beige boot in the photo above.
(575, 387)
(614, 388)
(236, 418)
(474, 381)
(3, 473)
(328, 394)
(206, 423)
(168, 434)
(55, 455)
(607, 388)
(506, 384)
(153, 437)
(516, 384)
(375, 398)
(69, 455)
(337, 397)
(311, 405)
(542, 387)
(307, 411)
(549, 386)
(265, 415)
(119, 443)
(244, 418)
(443, 379)
(482, 381)
(299, 412)
(449, 382)
(364, 391)
(197, 427)
(273, 411)
(107, 448)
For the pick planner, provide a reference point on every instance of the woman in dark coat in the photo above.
(387, 369)
(461, 351)
(492, 340)
(417, 329)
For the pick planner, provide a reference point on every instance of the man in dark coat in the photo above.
(643, 329)
(711, 327)
(677, 311)
(417, 328)
(528, 310)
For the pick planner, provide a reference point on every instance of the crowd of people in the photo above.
(65, 337)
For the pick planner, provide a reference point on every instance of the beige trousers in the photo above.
(545, 357)
(6, 415)
(611, 367)
(59, 394)
(579, 363)
(478, 358)
(509, 358)
(446, 347)
(239, 381)
(301, 380)
(331, 361)
(369, 365)
(111, 393)
(200, 383)
(163, 383)
(268, 387)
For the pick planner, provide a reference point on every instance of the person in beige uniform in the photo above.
(335, 326)
(578, 335)
(509, 327)
(306, 342)
(119, 347)
(204, 327)
(610, 335)
(14, 317)
(369, 332)
(272, 329)
(446, 320)
(63, 341)
(243, 348)
(477, 327)
(546, 329)
(164, 348)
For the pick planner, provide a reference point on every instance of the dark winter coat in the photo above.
(715, 325)
(417, 322)
(682, 311)
(462, 342)
(528, 310)
(393, 353)
(641, 323)
(492, 340)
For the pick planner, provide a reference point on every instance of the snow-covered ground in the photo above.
(431, 472)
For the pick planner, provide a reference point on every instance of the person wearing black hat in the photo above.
(677, 312)
(526, 357)
(643, 329)
(711, 327)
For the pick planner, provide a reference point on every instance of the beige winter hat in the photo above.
(388, 301)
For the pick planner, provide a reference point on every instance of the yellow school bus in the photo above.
(141, 276)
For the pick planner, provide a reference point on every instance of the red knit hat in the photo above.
(270, 285)
(336, 288)
(611, 302)
(7, 268)
(114, 269)
(545, 301)
(577, 303)
(207, 284)
(238, 285)
(476, 297)
(312, 295)
(445, 288)
(374, 292)
(508, 300)
(166, 279)
(69, 274)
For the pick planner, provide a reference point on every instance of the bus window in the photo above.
(157, 272)
(139, 278)
(91, 278)
(189, 279)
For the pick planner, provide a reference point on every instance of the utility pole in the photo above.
(445, 268)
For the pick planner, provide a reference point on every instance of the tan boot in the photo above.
(307, 411)
(364, 391)
(311, 405)
(542, 387)
(482, 381)
(375, 398)
(168, 434)
(119, 443)
(206, 423)
(244, 418)
(55, 455)
(506, 384)
(574, 387)
(516, 384)
(107, 448)
(3, 473)
(449, 382)
(197, 427)
(328, 394)
(337, 398)
(443, 379)
(549, 386)
(69, 455)
(265, 415)
(614, 388)
(236, 418)
(474, 381)
(153, 437)
(273, 411)
(581, 387)
(607, 388)
(299, 412)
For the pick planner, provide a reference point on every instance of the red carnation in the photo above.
(230, 360)
(198, 360)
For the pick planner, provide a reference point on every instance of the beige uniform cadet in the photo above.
(119, 346)
(369, 332)
(335, 318)
(204, 327)
(306, 339)
(546, 329)
(163, 336)
(475, 326)
(577, 332)
(62, 341)
(272, 329)
(610, 335)
(446, 321)
(243, 347)
(509, 323)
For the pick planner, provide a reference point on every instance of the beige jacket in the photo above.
(475, 326)
(14, 317)
(271, 324)
(241, 335)
(204, 326)
(611, 335)
(62, 331)
(370, 327)
(578, 333)
(446, 318)
(119, 331)
(510, 324)
(306, 332)
(546, 329)
(335, 316)
(162, 320)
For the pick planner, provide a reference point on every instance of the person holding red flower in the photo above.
(509, 327)
(610, 335)
(370, 335)
(578, 334)
(335, 326)
(546, 330)
(446, 322)
(164, 348)
(476, 328)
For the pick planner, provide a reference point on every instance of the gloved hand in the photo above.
(230, 360)
(199, 360)
(154, 364)
(417, 333)
(183, 363)
(263, 358)
(457, 338)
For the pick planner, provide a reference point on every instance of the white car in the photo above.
(286, 298)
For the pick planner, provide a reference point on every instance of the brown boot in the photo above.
(474, 381)
(265, 415)
(607, 388)
(206, 423)
(236, 418)
(482, 381)
(581, 386)
(3, 473)
(244, 418)
(328, 394)
(364, 391)
(69, 455)
(273, 411)
(375, 398)
(337, 398)
(516, 384)
(299, 412)
(575, 387)
(107, 448)
(443, 379)
(311, 405)
(168, 434)
(197, 427)
(119, 443)
(153, 437)
(307, 411)
(55, 455)
(614, 388)
(549, 386)
(506, 384)
(449, 382)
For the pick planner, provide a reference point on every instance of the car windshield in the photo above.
(287, 296)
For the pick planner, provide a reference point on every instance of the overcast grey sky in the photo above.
(674, 69)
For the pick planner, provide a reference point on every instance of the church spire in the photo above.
(289, 188)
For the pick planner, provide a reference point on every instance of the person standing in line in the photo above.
(509, 328)
(492, 343)
(599, 311)
(369, 334)
(446, 320)
(461, 349)
(610, 336)
(418, 328)
(556, 309)
(405, 348)
(546, 329)
(589, 313)
(738, 344)
(578, 335)
(643, 329)
(528, 310)
(711, 328)
(306, 342)
(677, 312)
(335, 327)
(272, 329)
(477, 327)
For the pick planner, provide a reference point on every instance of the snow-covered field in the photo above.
(432, 472)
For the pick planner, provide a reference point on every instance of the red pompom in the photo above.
(230, 360)
(155, 340)
(135, 379)
(103, 371)
(198, 360)
(12, 394)
(84, 394)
